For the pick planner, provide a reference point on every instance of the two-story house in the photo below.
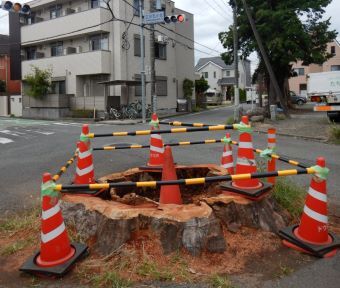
(96, 60)
(298, 84)
(221, 77)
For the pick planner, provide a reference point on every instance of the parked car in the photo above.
(213, 97)
(297, 99)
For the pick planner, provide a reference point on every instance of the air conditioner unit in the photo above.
(162, 39)
(39, 55)
(70, 50)
(80, 49)
(69, 11)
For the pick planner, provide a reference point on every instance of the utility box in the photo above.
(182, 105)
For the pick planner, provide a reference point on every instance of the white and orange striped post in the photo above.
(156, 144)
(227, 161)
(271, 165)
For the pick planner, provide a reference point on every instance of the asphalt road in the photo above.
(45, 146)
(29, 148)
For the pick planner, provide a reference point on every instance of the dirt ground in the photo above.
(250, 253)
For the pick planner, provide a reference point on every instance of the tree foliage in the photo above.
(201, 85)
(290, 30)
(188, 88)
(38, 82)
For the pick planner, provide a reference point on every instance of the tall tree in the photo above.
(290, 30)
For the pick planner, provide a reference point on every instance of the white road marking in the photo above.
(43, 132)
(9, 133)
(5, 140)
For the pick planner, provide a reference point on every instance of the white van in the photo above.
(213, 97)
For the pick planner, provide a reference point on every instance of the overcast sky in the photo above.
(211, 17)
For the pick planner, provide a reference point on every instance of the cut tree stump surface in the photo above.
(197, 227)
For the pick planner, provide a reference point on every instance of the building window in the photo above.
(136, 41)
(227, 73)
(31, 53)
(161, 86)
(99, 42)
(55, 11)
(205, 75)
(138, 89)
(299, 71)
(215, 74)
(136, 7)
(333, 50)
(335, 67)
(58, 87)
(97, 3)
(57, 49)
(160, 51)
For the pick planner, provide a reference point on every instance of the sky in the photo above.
(211, 17)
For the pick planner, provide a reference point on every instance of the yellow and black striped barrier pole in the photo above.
(63, 169)
(192, 181)
(207, 141)
(178, 123)
(168, 131)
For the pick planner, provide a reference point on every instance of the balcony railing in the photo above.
(84, 22)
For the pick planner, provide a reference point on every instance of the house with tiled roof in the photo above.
(221, 77)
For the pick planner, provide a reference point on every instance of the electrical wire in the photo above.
(216, 11)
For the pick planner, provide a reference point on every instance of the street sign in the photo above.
(154, 18)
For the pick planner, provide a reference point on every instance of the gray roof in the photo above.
(226, 81)
(217, 60)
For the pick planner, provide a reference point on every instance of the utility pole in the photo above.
(265, 58)
(152, 63)
(142, 74)
(236, 86)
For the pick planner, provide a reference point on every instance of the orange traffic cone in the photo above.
(56, 253)
(156, 144)
(312, 236)
(55, 246)
(85, 169)
(169, 194)
(246, 160)
(227, 161)
(271, 145)
(252, 189)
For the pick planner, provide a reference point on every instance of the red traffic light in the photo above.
(175, 18)
(181, 18)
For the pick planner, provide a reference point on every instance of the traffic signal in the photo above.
(180, 18)
(16, 7)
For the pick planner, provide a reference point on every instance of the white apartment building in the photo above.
(77, 40)
(221, 77)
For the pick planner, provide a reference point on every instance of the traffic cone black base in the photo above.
(31, 267)
(321, 251)
(252, 194)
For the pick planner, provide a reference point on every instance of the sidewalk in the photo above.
(161, 115)
(304, 123)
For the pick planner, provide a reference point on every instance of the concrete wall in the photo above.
(3, 105)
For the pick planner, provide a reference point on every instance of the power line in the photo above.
(185, 37)
(216, 11)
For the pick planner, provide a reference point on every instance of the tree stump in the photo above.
(121, 216)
